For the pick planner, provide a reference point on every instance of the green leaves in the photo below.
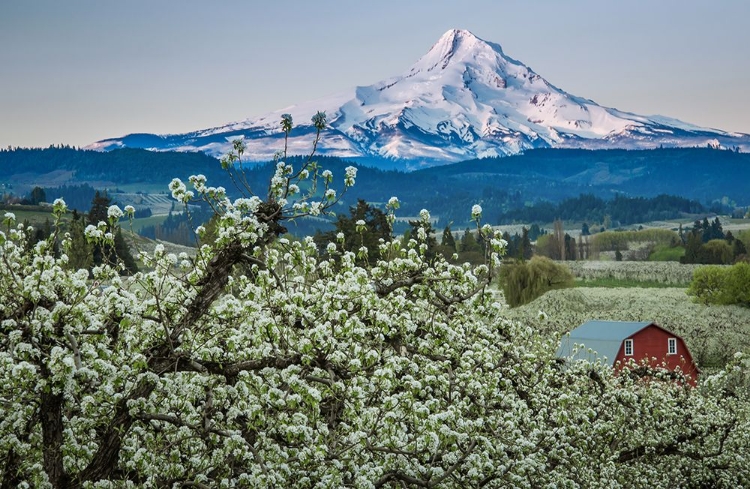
(722, 285)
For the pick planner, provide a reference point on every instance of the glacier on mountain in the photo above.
(463, 99)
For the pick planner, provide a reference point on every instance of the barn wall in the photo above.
(651, 342)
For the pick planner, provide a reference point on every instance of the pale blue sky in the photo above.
(78, 71)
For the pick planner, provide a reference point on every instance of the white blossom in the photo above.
(476, 212)
(351, 174)
(114, 212)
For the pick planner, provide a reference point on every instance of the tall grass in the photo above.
(667, 253)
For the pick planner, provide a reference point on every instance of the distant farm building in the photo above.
(620, 342)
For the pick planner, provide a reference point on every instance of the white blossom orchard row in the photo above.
(652, 271)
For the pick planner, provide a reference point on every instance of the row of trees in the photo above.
(705, 243)
(36, 196)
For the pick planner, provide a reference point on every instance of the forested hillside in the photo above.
(120, 167)
(698, 176)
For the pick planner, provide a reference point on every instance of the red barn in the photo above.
(619, 342)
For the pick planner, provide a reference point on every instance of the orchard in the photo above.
(262, 362)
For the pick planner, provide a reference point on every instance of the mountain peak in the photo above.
(463, 99)
(454, 45)
(457, 35)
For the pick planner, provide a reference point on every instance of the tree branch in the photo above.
(76, 352)
(395, 475)
(174, 420)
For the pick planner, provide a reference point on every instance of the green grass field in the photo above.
(667, 253)
(142, 222)
(35, 215)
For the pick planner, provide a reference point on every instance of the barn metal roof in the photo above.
(602, 338)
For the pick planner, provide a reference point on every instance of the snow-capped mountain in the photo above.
(463, 99)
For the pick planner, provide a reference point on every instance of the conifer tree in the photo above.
(429, 236)
(375, 228)
(469, 242)
(123, 253)
(80, 254)
(105, 253)
(448, 239)
(526, 250)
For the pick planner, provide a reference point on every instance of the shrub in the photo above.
(722, 285)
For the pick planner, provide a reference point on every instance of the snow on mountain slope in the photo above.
(463, 99)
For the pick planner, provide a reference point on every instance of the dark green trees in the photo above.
(428, 237)
(376, 227)
(707, 243)
(37, 196)
(80, 254)
(91, 255)
(448, 246)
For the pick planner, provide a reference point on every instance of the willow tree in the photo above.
(524, 281)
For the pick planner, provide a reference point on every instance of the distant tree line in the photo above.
(509, 188)
(619, 211)
(367, 226)
(77, 197)
(126, 165)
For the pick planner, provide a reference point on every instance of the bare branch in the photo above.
(194, 484)
(76, 352)
(174, 420)
(395, 475)
(398, 476)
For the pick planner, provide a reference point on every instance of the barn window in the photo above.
(629, 348)
(672, 346)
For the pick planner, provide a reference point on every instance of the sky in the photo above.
(78, 71)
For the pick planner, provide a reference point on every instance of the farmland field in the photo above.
(713, 333)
